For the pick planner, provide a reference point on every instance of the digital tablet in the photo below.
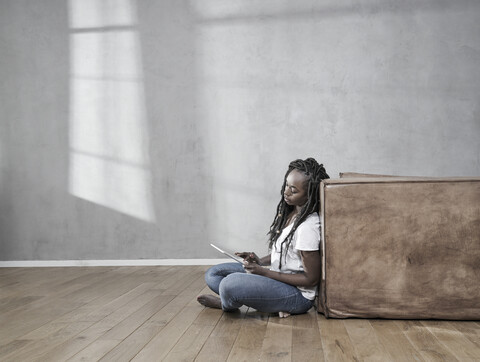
(234, 257)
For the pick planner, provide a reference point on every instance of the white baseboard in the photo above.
(133, 262)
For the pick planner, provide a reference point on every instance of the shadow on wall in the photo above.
(98, 168)
(134, 147)
(109, 135)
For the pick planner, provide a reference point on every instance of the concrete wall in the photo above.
(146, 129)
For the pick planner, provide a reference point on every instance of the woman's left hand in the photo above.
(254, 268)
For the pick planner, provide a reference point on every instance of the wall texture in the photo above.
(147, 129)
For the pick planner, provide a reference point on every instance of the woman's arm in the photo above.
(309, 278)
(253, 258)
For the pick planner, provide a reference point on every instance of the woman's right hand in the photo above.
(249, 257)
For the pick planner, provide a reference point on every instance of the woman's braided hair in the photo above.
(314, 173)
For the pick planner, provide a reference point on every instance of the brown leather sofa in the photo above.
(400, 247)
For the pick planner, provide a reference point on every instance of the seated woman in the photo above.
(289, 285)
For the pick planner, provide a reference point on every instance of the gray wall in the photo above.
(148, 129)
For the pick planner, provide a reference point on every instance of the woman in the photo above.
(289, 285)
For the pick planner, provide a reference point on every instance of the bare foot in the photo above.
(210, 301)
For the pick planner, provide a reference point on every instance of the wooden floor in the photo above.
(151, 314)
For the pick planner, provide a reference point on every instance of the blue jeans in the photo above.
(237, 288)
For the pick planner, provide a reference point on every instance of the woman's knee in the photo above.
(215, 274)
(231, 284)
(210, 273)
(224, 269)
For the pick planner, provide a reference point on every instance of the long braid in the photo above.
(315, 173)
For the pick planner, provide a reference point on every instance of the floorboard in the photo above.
(150, 313)
(425, 342)
(220, 342)
(336, 342)
(250, 337)
(394, 341)
(277, 343)
(305, 346)
(454, 340)
(366, 344)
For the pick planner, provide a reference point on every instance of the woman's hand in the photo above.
(249, 257)
(254, 268)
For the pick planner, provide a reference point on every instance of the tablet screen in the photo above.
(234, 257)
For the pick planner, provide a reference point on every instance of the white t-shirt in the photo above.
(305, 238)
